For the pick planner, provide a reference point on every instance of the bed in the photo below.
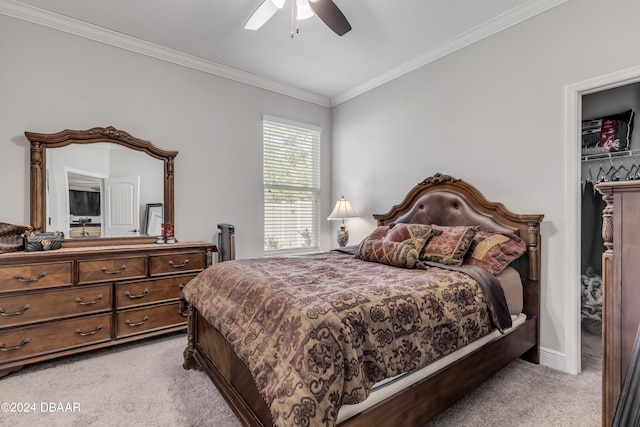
(307, 331)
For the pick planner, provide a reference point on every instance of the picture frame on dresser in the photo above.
(153, 219)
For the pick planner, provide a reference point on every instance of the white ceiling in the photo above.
(388, 39)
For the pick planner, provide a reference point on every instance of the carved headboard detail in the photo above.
(445, 200)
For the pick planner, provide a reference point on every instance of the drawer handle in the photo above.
(146, 291)
(30, 279)
(84, 334)
(15, 313)
(104, 270)
(130, 324)
(17, 347)
(181, 286)
(79, 300)
(172, 264)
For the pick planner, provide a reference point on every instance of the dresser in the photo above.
(72, 300)
(621, 286)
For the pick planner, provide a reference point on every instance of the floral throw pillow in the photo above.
(399, 246)
(494, 250)
(450, 245)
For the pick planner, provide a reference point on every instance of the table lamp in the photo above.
(342, 210)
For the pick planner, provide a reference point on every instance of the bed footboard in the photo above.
(209, 351)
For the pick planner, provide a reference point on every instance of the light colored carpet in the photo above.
(144, 384)
(528, 395)
(140, 384)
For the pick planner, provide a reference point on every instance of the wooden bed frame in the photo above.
(208, 350)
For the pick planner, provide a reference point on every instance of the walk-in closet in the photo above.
(610, 152)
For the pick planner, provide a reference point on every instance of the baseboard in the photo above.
(553, 359)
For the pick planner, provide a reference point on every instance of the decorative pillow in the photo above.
(450, 246)
(11, 239)
(378, 233)
(494, 250)
(397, 254)
(398, 246)
(412, 234)
(609, 133)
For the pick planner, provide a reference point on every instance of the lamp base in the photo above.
(343, 235)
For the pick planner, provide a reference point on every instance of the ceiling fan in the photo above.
(326, 10)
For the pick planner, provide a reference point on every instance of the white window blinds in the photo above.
(291, 176)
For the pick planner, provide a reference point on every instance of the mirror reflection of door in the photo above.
(94, 163)
(122, 216)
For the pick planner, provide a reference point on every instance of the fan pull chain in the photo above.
(294, 21)
(292, 16)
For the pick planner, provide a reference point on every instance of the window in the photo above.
(291, 176)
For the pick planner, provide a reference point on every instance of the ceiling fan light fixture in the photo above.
(278, 3)
(326, 10)
(261, 15)
(303, 10)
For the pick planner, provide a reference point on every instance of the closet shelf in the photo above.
(610, 155)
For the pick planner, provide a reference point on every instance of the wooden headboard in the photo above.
(445, 200)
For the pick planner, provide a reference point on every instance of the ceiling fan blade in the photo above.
(262, 14)
(331, 15)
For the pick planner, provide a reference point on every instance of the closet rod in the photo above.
(610, 155)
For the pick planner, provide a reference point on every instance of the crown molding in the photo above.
(92, 32)
(476, 34)
(102, 35)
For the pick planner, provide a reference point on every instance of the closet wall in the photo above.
(596, 168)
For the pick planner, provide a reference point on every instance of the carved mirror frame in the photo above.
(41, 142)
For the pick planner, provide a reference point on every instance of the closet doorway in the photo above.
(574, 94)
(610, 152)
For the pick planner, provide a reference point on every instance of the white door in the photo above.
(122, 212)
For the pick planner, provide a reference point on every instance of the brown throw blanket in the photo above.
(496, 301)
(318, 331)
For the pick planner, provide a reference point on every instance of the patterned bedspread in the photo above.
(318, 331)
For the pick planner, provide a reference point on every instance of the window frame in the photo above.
(270, 125)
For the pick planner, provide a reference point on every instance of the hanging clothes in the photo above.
(591, 235)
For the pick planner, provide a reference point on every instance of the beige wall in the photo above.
(50, 80)
(494, 115)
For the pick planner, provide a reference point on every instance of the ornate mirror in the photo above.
(100, 186)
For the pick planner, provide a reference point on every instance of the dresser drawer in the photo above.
(130, 294)
(44, 306)
(31, 341)
(146, 319)
(35, 276)
(176, 263)
(111, 269)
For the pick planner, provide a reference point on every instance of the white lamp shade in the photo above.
(303, 10)
(342, 210)
(264, 12)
